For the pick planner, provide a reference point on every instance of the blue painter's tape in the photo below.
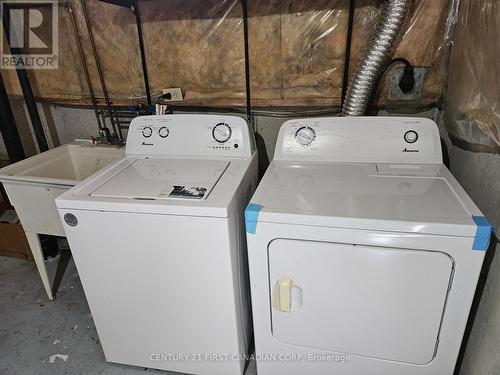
(483, 233)
(251, 217)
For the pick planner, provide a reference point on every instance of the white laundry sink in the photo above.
(33, 184)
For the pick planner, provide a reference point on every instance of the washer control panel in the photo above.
(360, 139)
(193, 135)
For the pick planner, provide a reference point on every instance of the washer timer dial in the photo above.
(163, 132)
(305, 135)
(147, 132)
(221, 132)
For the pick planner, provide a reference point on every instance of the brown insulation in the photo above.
(296, 48)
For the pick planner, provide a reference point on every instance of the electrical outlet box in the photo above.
(176, 94)
(394, 76)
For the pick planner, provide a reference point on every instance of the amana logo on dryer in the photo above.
(410, 150)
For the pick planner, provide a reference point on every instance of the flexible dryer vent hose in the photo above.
(376, 54)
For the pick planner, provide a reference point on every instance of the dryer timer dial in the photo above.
(305, 135)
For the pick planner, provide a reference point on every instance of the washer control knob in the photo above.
(147, 132)
(163, 132)
(221, 132)
(411, 136)
(305, 135)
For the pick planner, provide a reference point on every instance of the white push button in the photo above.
(411, 136)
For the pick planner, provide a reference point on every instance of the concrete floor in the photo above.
(32, 328)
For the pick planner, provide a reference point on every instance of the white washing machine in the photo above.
(364, 251)
(159, 242)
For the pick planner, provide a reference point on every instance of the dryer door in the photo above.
(376, 302)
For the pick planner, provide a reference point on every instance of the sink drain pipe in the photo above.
(375, 56)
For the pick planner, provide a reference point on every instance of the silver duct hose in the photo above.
(377, 52)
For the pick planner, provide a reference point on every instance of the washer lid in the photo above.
(160, 178)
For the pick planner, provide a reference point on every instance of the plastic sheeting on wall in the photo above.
(296, 50)
(472, 112)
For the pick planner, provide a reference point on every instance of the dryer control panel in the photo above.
(360, 140)
(190, 135)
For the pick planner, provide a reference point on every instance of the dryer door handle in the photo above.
(282, 294)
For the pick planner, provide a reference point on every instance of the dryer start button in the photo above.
(411, 136)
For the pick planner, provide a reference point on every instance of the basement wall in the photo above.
(297, 50)
(479, 174)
